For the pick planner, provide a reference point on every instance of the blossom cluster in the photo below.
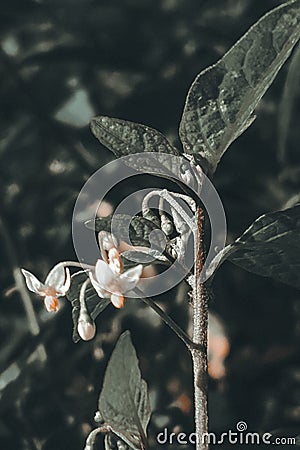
(107, 277)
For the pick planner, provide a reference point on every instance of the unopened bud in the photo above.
(86, 327)
(98, 417)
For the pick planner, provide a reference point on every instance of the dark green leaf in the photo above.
(222, 98)
(270, 247)
(124, 403)
(183, 170)
(133, 230)
(94, 304)
(145, 257)
(126, 138)
(287, 104)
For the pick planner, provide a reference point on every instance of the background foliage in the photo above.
(60, 64)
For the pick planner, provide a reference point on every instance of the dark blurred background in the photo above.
(61, 63)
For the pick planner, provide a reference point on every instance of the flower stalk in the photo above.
(86, 326)
(168, 321)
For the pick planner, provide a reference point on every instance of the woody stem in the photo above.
(199, 355)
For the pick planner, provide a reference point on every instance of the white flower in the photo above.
(56, 285)
(108, 281)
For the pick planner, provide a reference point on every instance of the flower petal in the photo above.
(104, 275)
(115, 262)
(129, 279)
(106, 242)
(100, 291)
(33, 284)
(117, 300)
(51, 303)
(56, 277)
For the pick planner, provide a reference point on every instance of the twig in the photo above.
(168, 320)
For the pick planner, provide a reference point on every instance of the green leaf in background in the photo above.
(124, 402)
(135, 229)
(270, 247)
(126, 138)
(94, 304)
(222, 98)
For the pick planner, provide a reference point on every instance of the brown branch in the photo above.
(199, 355)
